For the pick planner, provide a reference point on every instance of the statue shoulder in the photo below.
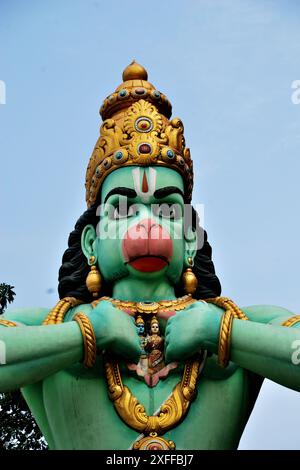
(26, 316)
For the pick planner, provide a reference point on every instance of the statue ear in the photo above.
(88, 242)
(190, 238)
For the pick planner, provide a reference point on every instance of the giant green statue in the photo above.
(141, 352)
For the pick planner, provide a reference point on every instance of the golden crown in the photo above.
(137, 131)
(139, 321)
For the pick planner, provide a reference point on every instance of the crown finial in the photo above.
(134, 71)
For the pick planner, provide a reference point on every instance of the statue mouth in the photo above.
(148, 264)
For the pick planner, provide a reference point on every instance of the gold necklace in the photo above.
(170, 412)
(149, 308)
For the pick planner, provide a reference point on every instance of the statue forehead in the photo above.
(132, 176)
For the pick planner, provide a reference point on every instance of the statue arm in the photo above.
(270, 350)
(263, 347)
(30, 353)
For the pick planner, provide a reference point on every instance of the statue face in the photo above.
(154, 328)
(141, 329)
(141, 226)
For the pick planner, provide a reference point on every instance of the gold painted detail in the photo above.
(89, 339)
(57, 314)
(8, 323)
(136, 131)
(171, 411)
(231, 311)
(227, 304)
(134, 87)
(291, 321)
(150, 308)
(153, 442)
(224, 338)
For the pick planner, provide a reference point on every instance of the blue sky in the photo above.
(227, 67)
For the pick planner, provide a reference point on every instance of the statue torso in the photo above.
(74, 412)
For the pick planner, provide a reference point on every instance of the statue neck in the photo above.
(139, 290)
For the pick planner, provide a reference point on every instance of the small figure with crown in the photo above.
(154, 347)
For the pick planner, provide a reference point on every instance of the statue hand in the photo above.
(115, 331)
(194, 328)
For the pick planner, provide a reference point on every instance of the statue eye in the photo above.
(167, 211)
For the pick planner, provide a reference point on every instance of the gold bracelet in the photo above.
(89, 339)
(224, 338)
(7, 323)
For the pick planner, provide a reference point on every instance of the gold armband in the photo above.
(224, 338)
(8, 323)
(89, 339)
(291, 321)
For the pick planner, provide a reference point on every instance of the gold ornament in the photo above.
(149, 308)
(93, 280)
(171, 411)
(190, 282)
(154, 321)
(89, 339)
(291, 321)
(224, 338)
(231, 311)
(57, 314)
(153, 442)
(228, 304)
(136, 131)
(139, 321)
(8, 323)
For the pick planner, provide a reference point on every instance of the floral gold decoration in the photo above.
(136, 131)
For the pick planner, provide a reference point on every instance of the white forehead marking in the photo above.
(137, 180)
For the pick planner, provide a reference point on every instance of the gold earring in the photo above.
(93, 280)
(190, 282)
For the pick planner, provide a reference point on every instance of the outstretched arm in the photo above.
(30, 353)
(267, 349)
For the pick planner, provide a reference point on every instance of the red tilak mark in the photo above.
(145, 184)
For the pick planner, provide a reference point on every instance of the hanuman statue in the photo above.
(140, 326)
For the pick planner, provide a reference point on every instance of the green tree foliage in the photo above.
(18, 429)
(6, 296)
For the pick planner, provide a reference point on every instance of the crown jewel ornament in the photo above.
(137, 131)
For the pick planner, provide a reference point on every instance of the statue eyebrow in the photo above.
(122, 191)
(163, 192)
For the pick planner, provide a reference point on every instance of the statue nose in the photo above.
(148, 229)
(147, 238)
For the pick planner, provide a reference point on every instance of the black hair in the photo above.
(74, 268)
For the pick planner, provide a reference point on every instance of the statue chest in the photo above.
(74, 411)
